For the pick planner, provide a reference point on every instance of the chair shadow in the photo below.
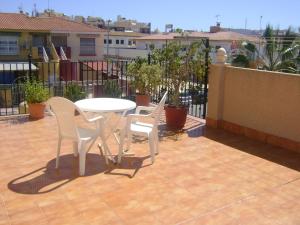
(128, 163)
(48, 178)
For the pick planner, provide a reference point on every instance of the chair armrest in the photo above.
(137, 116)
(134, 117)
(94, 119)
(145, 108)
(89, 120)
(48, 109)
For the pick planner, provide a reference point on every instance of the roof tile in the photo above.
(17, 21)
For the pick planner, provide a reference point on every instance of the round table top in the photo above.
(105, 105)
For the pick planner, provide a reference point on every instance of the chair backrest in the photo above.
(159, 108)
(64, 111)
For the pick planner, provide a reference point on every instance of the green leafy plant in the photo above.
(240, 61)
(144, 77)
(278, 52)
(35, 92)
(180, 62)
(112, 89)
(74, 92)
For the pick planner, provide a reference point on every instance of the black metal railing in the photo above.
(91, 76)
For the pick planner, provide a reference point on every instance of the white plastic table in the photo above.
(106, 106)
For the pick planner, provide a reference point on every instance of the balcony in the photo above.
(201, 176)
(245, 172)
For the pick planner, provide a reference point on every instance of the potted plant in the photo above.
(181, 62)
(145, 78)
(35, 97)
(74, 92)
(112, 89)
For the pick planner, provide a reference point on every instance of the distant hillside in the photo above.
(244, 31)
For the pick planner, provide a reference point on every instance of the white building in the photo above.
(228, 40)
(122, 45)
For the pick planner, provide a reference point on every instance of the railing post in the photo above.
(216, 90)
(205, 77)
(29, 64)
(149, 58)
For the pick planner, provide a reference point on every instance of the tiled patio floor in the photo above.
(214, 178)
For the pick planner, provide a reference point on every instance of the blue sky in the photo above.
(186, 14)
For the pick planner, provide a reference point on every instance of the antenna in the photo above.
(260, 19)
(48, 9)
(34, 12)
(218, 16)
(20, 8)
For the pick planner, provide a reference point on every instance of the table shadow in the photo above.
(48, 178)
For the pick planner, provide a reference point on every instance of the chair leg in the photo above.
(104, 147)
(156, 142)
(129, 139)
(58, 152)
(82, 158)
(122, 137)
(75, 148)
(152, 147)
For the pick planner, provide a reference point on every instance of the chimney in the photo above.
(215, 29)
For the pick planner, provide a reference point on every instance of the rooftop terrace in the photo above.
(201, 176)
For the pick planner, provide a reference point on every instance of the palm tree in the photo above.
(279, 53)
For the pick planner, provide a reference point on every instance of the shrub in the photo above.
(74, 92)
(112, 89)
(35, 92)
(144, 77)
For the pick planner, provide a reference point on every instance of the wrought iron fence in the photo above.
(91, 76)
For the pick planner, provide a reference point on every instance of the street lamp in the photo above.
(107, 41)
(260, 34)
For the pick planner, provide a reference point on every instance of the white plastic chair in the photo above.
(64, 110)
(134, 125)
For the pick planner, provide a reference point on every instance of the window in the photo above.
(122, 42)
(87, 46)
(110, 41)
(105, 41)
(9, 45)
(117, 42)
(133, 42)
(129, 42)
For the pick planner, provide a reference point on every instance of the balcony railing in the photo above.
(91, 76)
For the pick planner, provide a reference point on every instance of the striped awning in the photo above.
(16, 66)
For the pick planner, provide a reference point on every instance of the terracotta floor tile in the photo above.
(216, 178)
(27, 216)
(217, 218)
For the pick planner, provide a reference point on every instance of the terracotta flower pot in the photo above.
(176, 117)
(36, 110)
(142, 100)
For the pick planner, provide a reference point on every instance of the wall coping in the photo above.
(263, 71)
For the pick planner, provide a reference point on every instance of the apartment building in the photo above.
(46, 37)
(228, 40)
(122, 45)
(123, 24)
(53, 43)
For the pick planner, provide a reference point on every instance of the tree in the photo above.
(180, 61)
(279, 52)
(178, 30)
